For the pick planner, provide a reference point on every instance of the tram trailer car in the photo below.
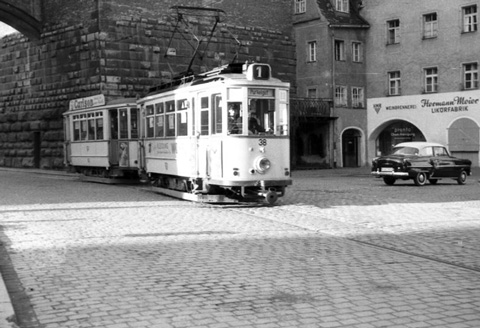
(219, 136)
(102, 139)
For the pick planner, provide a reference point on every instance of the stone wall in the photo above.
(116, 48)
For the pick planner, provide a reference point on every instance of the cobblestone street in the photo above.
(341, 249)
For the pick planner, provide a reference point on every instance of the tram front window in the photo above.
(261, 116)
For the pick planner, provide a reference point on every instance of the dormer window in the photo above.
(300, 6)
(342, 5)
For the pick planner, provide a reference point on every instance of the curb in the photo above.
(8, 318)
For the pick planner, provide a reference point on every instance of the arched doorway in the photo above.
(464, 139)
(395, 133)
(351, 148)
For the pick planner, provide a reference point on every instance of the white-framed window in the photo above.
(300, 6)
(312, 51)
(341, 96)
(394, 83)
(312, 93)
(470, 76)
(342, 5)
(431, 79)
(393, 31)
(430, 26)
(470, 19)
(358, 97)
(339, 50)
(356, 52)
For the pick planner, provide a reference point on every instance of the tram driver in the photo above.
(253, 126)
(235, 118)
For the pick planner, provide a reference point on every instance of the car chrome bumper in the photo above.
(390, 174)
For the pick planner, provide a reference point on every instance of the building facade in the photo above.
(422, 74)
(331, 62)
(118, 48)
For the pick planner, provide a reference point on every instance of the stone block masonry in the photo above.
(117, 49)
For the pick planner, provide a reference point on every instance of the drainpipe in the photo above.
(333, 125)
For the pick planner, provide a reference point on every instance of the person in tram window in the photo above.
(234, 118)
(253, 126)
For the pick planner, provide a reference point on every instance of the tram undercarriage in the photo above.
(108, 176)
(197, 189)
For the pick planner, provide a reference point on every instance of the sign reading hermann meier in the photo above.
(87, 102)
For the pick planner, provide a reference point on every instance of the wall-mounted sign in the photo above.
(87, 102)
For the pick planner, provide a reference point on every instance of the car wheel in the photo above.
(433, 181)
(420, 179)
(462, 177)
(389, 180)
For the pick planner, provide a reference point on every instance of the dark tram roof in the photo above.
(186, 77)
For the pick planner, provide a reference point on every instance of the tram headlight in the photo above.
(262, 164)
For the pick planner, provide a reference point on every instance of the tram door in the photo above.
(124, 136)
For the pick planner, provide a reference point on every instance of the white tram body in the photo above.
(223, 133)
(101, 139)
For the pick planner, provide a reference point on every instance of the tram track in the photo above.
(354, 234)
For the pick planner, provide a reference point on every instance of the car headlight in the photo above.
(262, 164)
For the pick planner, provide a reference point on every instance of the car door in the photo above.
(444, 165)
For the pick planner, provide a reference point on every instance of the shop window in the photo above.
(470, 19)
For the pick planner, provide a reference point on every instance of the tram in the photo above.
(102, 139)
(220, 136)
(217, 137)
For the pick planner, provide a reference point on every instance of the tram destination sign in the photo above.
(87, 102)
(260, 93)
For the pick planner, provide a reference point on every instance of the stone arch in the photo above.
(352, 147)
(21, 20)
(464, 139)
(392, 132)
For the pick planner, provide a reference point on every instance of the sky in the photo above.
(6, 29)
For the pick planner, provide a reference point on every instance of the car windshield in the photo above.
(405, 151)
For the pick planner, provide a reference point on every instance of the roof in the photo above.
(419, 144)
(340, 19)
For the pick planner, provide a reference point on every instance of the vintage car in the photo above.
(420, 161)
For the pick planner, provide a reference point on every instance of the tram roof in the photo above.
(187, 77)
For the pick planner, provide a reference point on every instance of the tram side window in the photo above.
(123, 123)
(217, 117)
(114, 124)
(193, 115)
(83, 130)
(76, 128)
(134, 123)
(282, 127)
(150, 121)
(204, 128)
(99, 126)
(91, 127)
(170, 117)
(159, 120)
(182, 117)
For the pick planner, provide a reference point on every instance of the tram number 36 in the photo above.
(262, 142)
